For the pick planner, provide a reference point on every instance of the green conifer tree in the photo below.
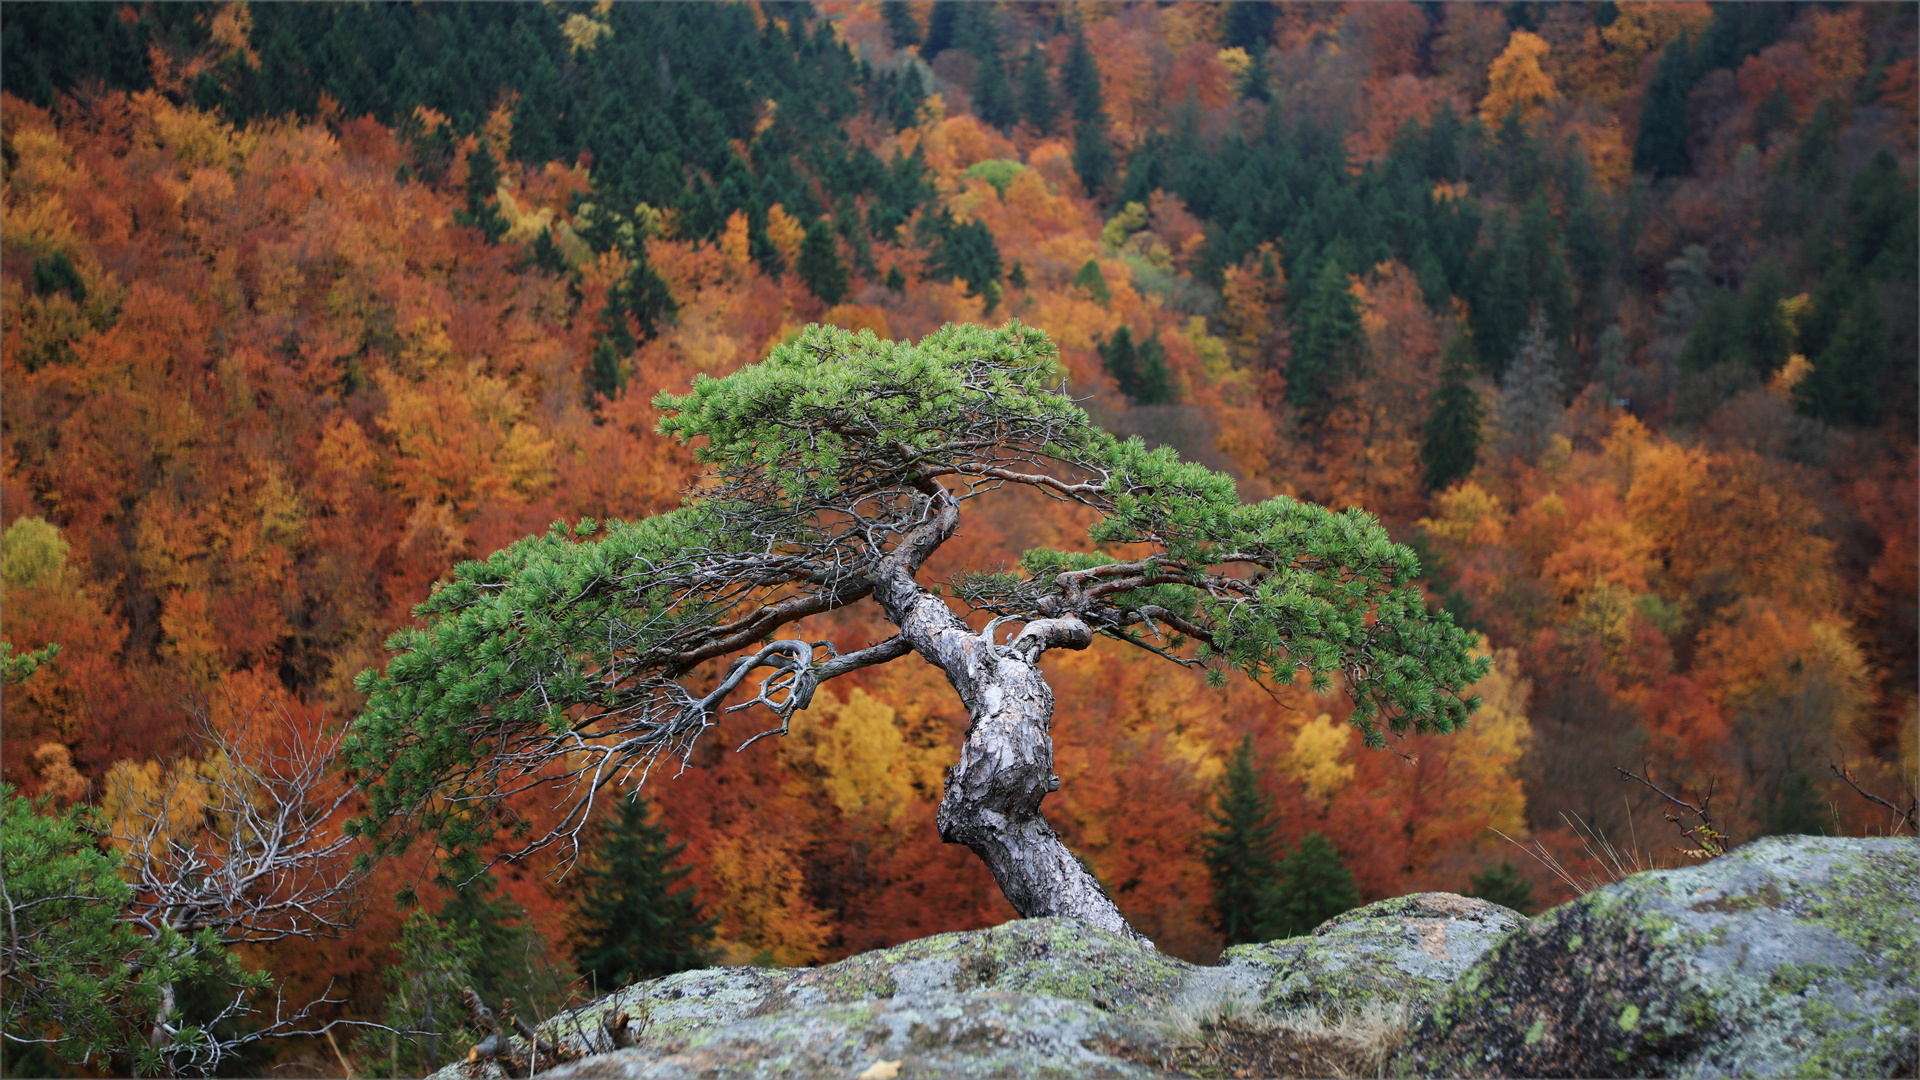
(1242, 852)
(1146, 379)
(1315, 886)
(1093, 155)
(1450, 446)
(993, 99)
(606, 371)
(1250, 25)
(1549, 279)
(1091, 279)
(1500, 311)
(1122, 360)
(1844, 386)
(637, 920)
(1800, 809)
(1883, 224)
(1257, 83)
(820, 269)
(483, 204)
(943, 28)
(647, 297)
(1092, 149)
(1816, 151)
(511, 961)
(1506, 886)
(1661, 147)
(966, 251)
(900, 23)
(1037, 106)
(1080, 78)
(1328, 342)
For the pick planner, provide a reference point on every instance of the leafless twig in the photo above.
(1906, 816)
(1708, 840)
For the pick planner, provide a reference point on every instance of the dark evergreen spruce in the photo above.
(1037, 106)
(483, 204)
(511, 961)
(1315, 886)
(820, 269)
(1450, 443)
(1328, 343)
(900, 23)
(1661, 147)
(1242, 851)
(1139, 369)
(637, 920)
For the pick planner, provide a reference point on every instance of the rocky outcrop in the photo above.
(1791, 956)
(1036, 997)
(1406, 950)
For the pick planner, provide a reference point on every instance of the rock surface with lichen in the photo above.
(1408, 950)
(1792, 956)
(1037, 997)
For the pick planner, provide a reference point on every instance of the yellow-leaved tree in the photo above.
(1516, 81)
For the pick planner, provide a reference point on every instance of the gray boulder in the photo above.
(1029, 998)
(1405, 951)
(1791, 956)
(1037, 997)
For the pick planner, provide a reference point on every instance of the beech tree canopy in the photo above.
(583, 657)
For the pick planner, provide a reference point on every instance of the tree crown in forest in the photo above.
(838, 461)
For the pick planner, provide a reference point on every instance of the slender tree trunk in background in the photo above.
(993, 794)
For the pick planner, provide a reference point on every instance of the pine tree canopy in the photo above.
(574, 657)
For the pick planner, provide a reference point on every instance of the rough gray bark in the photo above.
(993, 793)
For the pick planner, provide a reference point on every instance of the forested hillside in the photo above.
(1608, 309)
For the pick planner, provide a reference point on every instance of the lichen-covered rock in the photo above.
(1405, 951)
(1793, 956)
(1020, 999)
(1037, 997)
(941, 1033)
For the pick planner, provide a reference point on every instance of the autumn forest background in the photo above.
(1608, 310)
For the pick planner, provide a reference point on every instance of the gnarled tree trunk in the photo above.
(993, 794)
